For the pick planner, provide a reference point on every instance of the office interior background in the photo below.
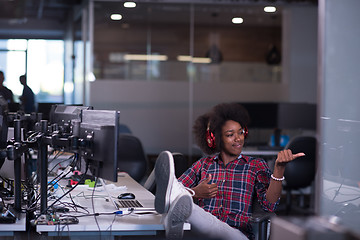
(166, 62)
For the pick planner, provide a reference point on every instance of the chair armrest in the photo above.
(259, 216)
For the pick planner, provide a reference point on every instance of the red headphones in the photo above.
(210, 137)
(246, 132)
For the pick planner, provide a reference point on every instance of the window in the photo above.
(41, 60)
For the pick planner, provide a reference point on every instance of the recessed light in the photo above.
(116, 17)
(269, 9)
(237, 20)
(129, 4)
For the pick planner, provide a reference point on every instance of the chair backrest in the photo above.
(300, 172)
(181, 164)
(131, 157)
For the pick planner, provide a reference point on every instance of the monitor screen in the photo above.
(282, 115)
(45, 108)
(102, 128)
(262, 115)
(297, 116)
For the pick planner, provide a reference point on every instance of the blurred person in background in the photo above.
(27, 98)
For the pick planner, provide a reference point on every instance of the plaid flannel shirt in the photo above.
(236, 183)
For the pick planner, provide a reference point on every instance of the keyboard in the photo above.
(129, 203)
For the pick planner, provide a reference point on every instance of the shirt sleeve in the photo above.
(262, 183)
(191, 177)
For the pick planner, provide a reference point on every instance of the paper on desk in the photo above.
(115, 188)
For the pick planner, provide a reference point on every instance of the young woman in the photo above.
(224, 182)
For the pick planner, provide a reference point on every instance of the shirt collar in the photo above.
(217, 157)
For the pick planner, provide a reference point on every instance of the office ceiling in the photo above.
(58, 9)
(18, 14)
(36, 9)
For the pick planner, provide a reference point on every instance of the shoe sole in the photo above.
(164, 177)
(179, 212)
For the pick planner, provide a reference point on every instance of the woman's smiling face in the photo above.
(232, 135)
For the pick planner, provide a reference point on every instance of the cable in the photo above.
(93, 206)
(52, 184)
(57, 200)
(33, 138)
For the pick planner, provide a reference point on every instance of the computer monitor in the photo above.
(101, 128)
(296, 116)
(7, 167)
(262, 115)
(64, 115)
(281, 115)
(45, 107)
(13, 107)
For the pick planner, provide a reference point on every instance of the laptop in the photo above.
(131, 205)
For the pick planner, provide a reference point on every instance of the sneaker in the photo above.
(179, 212)
(167, 186)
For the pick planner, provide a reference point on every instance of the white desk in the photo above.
(8, 229)
(132, 224)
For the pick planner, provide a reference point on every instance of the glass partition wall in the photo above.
(153, 42)
(170, 62)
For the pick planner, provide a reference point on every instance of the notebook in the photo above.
(137, 206)
(134, 205)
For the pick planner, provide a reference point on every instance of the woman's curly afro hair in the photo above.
(216, 119)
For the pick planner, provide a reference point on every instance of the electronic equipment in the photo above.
(262, 115)
(45, 108)
(282, 115)
(101, 129)
(7, 168)
(126, 196)
(129, 203)
(63, 116)
(279, 116)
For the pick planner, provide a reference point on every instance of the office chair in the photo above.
(181, 165)
(300, 173)
(125, 129)
(260, 221)
(131, 157)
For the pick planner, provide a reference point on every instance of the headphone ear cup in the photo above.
(210, 139)
(246, 133)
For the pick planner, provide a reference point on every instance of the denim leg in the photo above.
(208, 225)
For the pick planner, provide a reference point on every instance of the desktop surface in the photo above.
(8, 229)
(135, 223)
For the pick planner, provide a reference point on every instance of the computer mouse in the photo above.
(126, 196)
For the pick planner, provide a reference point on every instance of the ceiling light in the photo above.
(269, 9)
(129, 4)
(116, 17)
(145, 57)
(237, 20)
(184, 58)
